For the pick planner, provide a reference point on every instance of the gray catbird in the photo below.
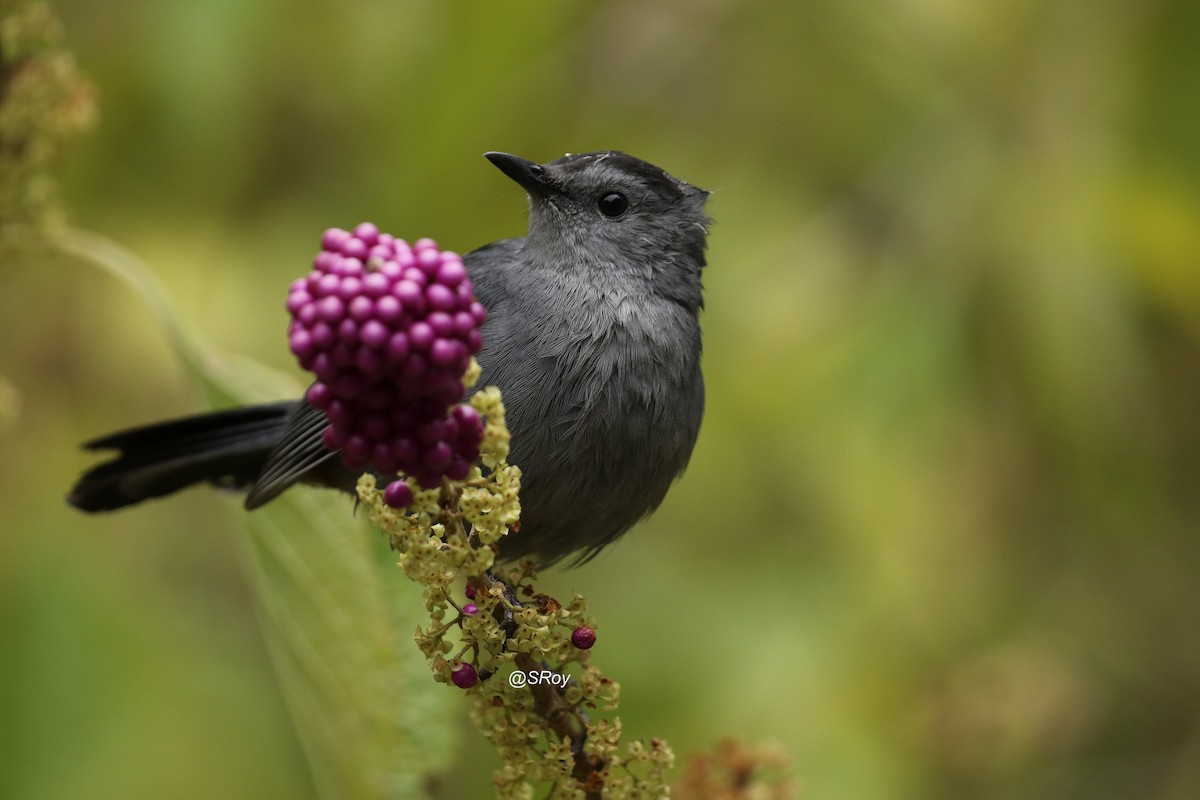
(592, 336)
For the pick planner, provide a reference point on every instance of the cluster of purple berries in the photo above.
(389, 330)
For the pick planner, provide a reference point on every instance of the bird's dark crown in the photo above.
(596, 171)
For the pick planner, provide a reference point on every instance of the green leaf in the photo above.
(337, 614)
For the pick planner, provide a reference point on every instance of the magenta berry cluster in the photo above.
(389, 329)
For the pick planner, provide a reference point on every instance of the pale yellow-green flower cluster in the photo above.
(448, 541)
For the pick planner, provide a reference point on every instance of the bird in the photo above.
(592, 336)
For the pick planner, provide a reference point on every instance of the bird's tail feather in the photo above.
(226, 448)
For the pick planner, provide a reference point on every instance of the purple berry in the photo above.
(349, 288)
(470, 609)
(583, 637)
(440, 297)
(360, 308)
(331, 439)
(404, 419)
(468, 452)
(356, 449)
(463, 297)
(463, 323)
(322, 263)
(347, 331)
(398, 495)
(298, 299)
(470, 591)
(447, 393)
(375, 427)
(410, 294)
(431, 432)
(388, 309)
(323, 367)
(348, 383)
(375, 284)
(374, 333)
(442, 323)
(301, 343)
(367, 232)
(322, 335)
(328, 284)
(405, 450)
(420, 335)
(428, 258)
(368, 362)
(465, 415)
(354, 248)
(378, 396)
(438, 457)
(318, 395)
(381, 459)
(474, 341)
(459, 468)
(414, 367)
(443, 352)
(478, 312)
(428, 480)
(465, 676)
(331, 308)
(397, 347)
(342, 354)
(339, 412)
(413, 274)
(333, 239)
(307, 314)
(451, 273)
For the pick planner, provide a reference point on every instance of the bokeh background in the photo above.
(939, 536)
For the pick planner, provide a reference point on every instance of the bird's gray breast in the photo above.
(604, 405)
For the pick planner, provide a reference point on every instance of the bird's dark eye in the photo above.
(613, 204)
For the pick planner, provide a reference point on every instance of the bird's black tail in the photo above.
(226, 448)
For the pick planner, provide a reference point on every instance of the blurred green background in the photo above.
(939, 535)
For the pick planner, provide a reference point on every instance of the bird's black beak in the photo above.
(532, 177)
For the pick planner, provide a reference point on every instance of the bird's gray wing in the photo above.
(489, 268)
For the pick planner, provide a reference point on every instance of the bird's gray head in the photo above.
(608, 211)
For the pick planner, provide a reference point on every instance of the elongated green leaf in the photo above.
(338, 616)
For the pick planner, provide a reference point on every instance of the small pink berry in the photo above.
(398, 495)
(583, 637)
(451, 273)
(334, 238)
(318, 395)
(354, 248)
(440, 297)
(470, 609)
(465, 676)
(367, 232)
